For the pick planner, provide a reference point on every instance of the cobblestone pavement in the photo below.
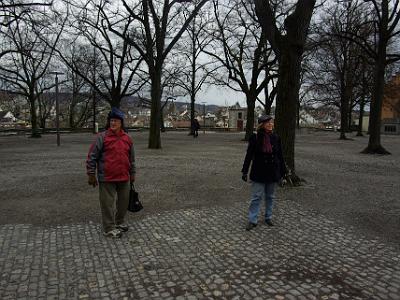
(200, 253)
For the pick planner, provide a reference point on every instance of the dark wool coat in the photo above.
(265, 167)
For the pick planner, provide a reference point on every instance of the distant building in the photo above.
(319, 117)
(6, 117)
(237, 117)
(180, 123)
(307, 120)
(391, 107)
(365, 121)
(210, 120)
(222, 117)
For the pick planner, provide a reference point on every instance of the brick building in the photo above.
(391, 106)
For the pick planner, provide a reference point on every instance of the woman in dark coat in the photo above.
(264, 152)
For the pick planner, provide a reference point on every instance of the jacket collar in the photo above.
(119, 134)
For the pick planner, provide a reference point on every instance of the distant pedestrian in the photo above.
(112, 155)
(196, 127)
(264, 152)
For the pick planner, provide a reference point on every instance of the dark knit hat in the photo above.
(116, 113)
(264, 118)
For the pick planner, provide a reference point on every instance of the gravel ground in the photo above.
(43, 184)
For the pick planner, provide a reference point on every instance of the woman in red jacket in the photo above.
(112, 155)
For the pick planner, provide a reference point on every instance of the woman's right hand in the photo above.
(244, 177)
(92, 180)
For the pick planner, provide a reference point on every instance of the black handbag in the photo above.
(134, 204)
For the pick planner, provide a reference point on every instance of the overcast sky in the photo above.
(218, 96)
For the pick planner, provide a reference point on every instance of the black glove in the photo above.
(244, 177)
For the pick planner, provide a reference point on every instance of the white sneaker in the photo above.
(115, 233)
(122, 227)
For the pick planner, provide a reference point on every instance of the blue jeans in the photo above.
(258, 190)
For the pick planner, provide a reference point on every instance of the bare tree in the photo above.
(385, 18)
(270, 75)
(8, 15)
(121, 75)
(156, 31)
(242, 51)
(11, 102)
(81, 105)
(195, 69)
(12, 4)
(171, 85)
(364, 91)
(8, 7)
(28, 63)
(337, 68)
(346, 59)
(46, 101)
(289, 48)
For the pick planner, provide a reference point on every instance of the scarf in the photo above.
(266, 146)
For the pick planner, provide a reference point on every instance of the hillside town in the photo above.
(176, 115)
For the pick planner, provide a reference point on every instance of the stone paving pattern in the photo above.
(201, 253)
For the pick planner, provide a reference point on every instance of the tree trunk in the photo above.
(43, 122)
(115, 99)
(364, 88)
(289, 48)
(345, 96)
(40, 116)
(267, 96)
(350, 115)
(267, 109)
(286, 102)
(251, 103)
(344, 105)
(374, 143)
(193, 78)
(362, 103)
(162, 127)
(71, 114)
(154, 137)
(361, 115)
(35, 131)
(71, 106)
(192, 100)
(349, 120)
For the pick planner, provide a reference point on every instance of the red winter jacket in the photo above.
(113, 155)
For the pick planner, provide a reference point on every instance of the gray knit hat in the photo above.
(264, 118)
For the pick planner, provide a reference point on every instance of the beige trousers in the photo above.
(114, 200)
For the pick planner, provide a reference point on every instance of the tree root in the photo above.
(346, 139)
(36, 135)
(375, 150)
(291, 180)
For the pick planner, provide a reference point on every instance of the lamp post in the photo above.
(57, 107)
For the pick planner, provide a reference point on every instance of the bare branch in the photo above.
(268, 22)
